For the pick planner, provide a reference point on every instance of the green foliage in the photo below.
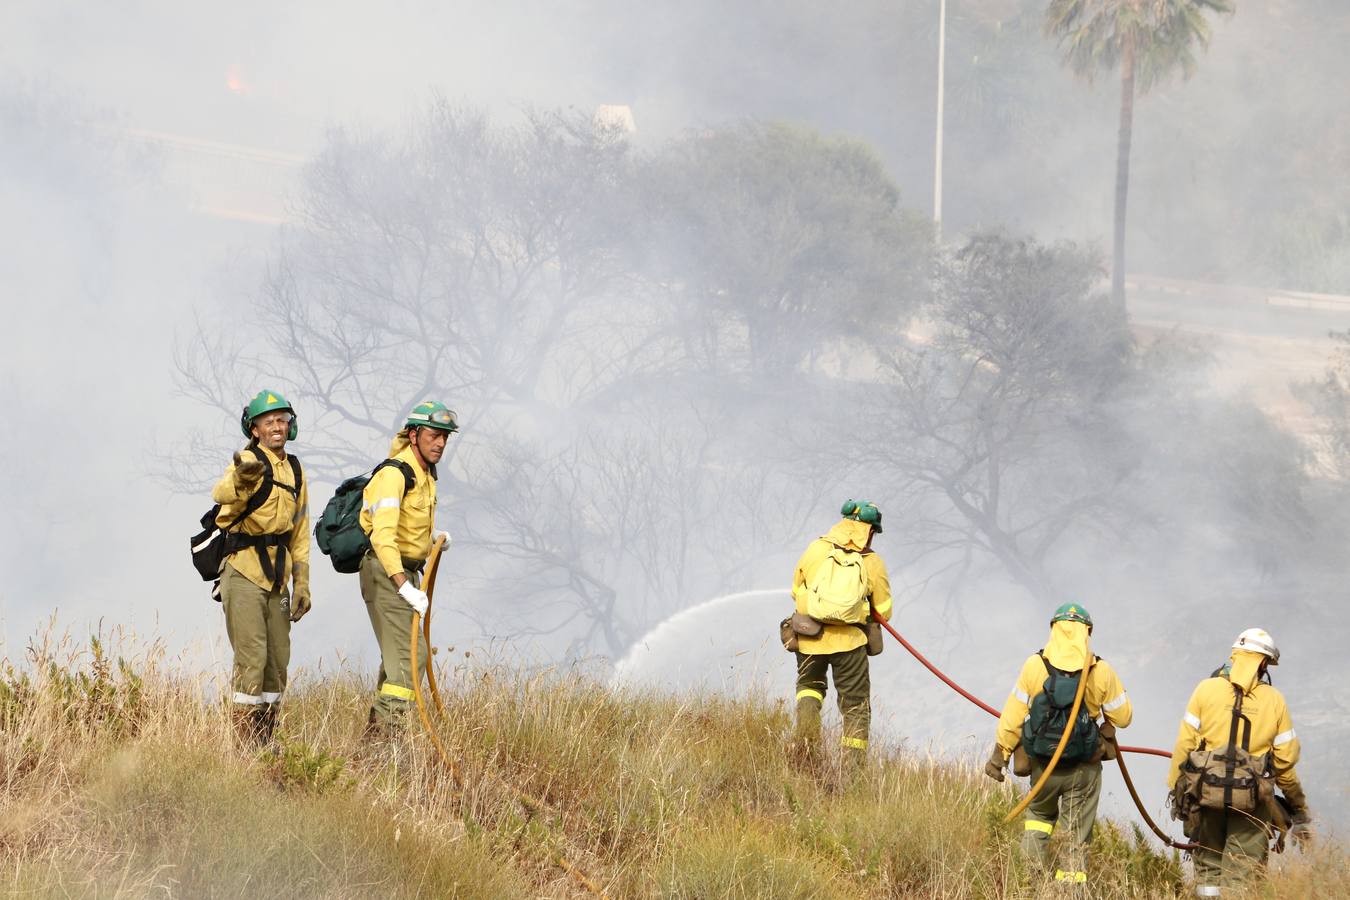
(16, 695)
(96, 694)
(795, 237)
(1157, 37)
(1128, 856)
(297, 765)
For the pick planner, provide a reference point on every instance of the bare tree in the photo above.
(498, 268)
(999, 429)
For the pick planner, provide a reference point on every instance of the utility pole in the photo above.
(937, 150)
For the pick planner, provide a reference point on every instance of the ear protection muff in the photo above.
(246, 425)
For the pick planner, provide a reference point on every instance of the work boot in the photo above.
(247, 725)
(377, 732)
(854, 762)
(804, 754)
(808, 720)
(805, 747)
(268, 723)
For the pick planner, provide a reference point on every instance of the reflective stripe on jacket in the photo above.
(850, 535)
(282, 511)
(1209, 717)
(399, 523)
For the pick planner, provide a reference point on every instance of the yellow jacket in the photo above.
(399, 524)
(1209, 716)
(849, 535)
(281, 512)
(1065, 649)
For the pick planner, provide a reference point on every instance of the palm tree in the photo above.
(1148, 39)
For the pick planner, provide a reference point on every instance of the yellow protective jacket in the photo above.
(281, 512)
(1209, 716)
(399, 524)
(1065, 649)
(849, 535)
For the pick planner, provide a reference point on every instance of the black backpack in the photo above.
(338, 531)
(1049, 717)
(209, 546)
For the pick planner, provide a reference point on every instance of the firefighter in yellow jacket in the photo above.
(1068, 799)
(841, 563)
(1234, 842)
(264, 585)
(398, 514)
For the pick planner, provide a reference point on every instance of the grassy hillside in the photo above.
(120, 779)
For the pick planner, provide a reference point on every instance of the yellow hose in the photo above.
(432, 562)
(533, 805)
(1063, 739)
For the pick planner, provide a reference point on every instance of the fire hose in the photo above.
(423, 623)
(1120, 755)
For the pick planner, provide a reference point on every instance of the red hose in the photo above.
(1120, 760)
(976, 700)
(934, 669)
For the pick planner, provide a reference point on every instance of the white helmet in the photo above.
(1258, 639)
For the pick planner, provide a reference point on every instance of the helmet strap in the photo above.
(414, 431)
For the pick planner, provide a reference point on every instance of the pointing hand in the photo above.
(247, 472)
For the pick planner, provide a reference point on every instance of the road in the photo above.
(1262, 340)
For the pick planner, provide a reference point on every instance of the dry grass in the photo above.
(119, 778)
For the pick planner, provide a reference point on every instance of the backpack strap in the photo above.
(273, 572)
(1050, 672)
(1231, 765)
(409, 476)
(262, 543)
(296, 475)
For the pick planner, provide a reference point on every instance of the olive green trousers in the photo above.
(852, 681)
(1068, 803)
(391, 619)
(1233, 846)
(258, 623)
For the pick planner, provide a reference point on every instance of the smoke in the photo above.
(692, 416)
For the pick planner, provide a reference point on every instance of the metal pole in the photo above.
(941, 87)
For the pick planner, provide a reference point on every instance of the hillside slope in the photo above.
(118, 779)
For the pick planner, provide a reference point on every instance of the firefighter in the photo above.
(839, 583)
(1236, 708)
(1035, 717)
(264, 584)
(398, 515)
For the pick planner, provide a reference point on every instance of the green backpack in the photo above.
(338, 532)
(1049, 716)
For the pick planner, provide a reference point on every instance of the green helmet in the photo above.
(1072, 612)
(864, 511)
(266, 402)
(431, 414)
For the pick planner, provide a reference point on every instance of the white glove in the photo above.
(437, 534)
(414, 598)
